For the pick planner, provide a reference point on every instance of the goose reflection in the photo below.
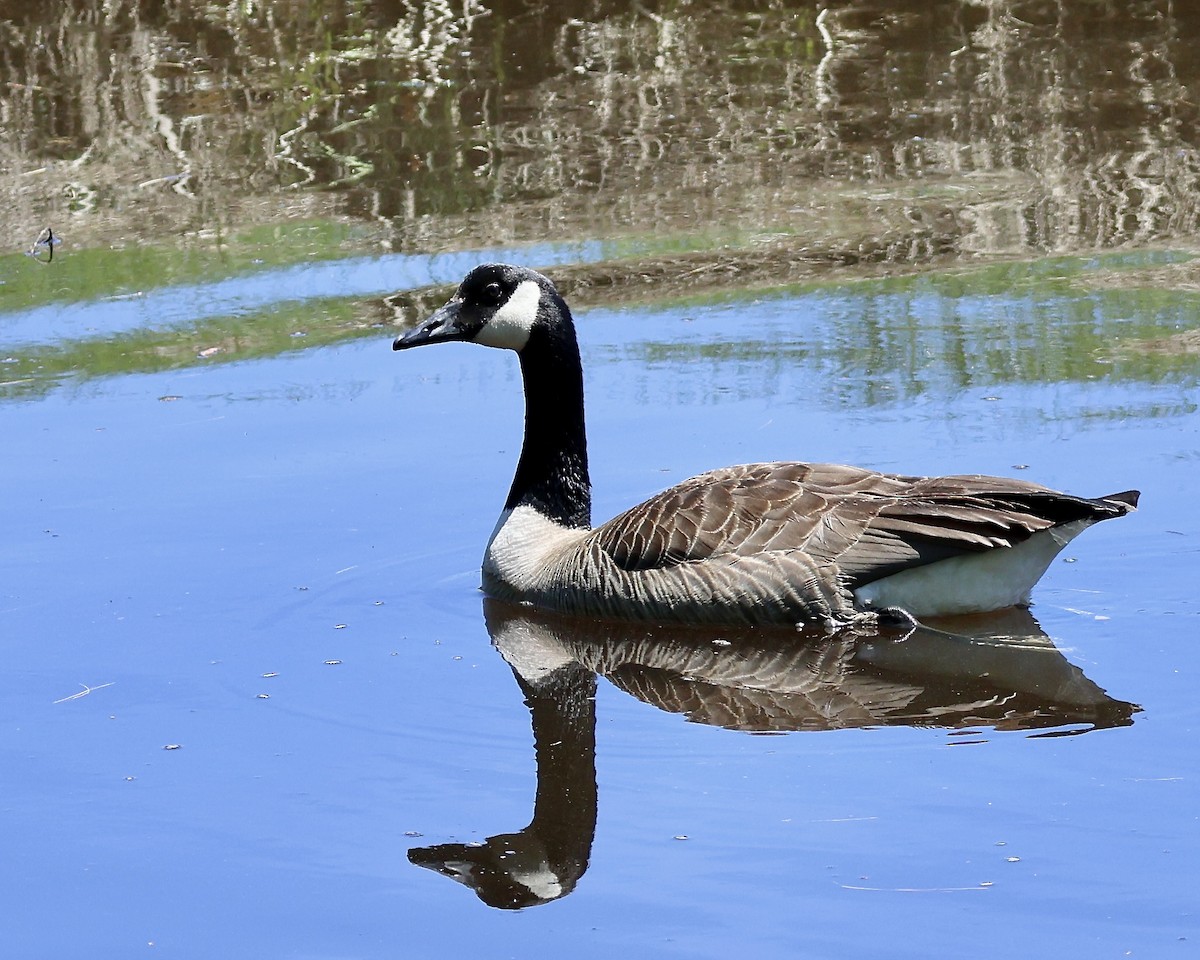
(1001, 671)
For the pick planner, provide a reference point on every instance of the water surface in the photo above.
(254, 704)
(274, 565)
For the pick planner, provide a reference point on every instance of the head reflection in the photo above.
(1001, 671)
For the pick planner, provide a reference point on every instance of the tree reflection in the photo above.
(976, 128)
(1000, 671)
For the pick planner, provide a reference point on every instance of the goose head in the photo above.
(498, 305)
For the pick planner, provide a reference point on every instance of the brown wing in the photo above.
(868, 524)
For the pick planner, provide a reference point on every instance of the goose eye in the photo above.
(493, 292)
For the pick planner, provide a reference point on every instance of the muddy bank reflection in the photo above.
(1000, 671)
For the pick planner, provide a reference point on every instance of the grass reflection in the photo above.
(93, 273)
(31, 373)
(873, 341)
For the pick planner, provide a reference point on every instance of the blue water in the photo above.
(276, 572)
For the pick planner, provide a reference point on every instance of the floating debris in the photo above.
(86, 689)
(44, 244)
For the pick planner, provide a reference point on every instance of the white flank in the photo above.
(972, 583)
(521, 544)
(510, 325)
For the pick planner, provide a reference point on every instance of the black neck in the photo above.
(552, 475)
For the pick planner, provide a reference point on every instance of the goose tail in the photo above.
(1127, 497)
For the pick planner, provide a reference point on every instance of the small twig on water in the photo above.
(85, 691)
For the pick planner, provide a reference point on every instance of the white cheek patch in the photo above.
(510, 325)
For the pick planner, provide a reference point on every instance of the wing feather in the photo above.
(866, 524)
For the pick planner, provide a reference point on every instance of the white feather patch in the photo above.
(972, 582)
(533, 652)
(510, 325)
(543, 883)
(521, 545)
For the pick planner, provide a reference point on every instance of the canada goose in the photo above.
(758, 543)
